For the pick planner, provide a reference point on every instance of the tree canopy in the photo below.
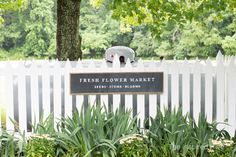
(6, 5)
(105, 23)
(156, 14)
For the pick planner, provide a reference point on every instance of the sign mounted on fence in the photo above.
(105, 83)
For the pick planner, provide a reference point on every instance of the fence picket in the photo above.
(164, 95)
(231, 77)
(68, 96)
(116, 97)
(209, 91)
(220, 89)
(92, 97)
(9, 106)
(153, 97)
(185, 70)
(196, 90)
(128, 97)
(141, 100)
(79, 98)
(34, 73)
(45, 73)
(2, 97)
(22, 96)
(104, 97)
(174, 85)
(2, 92)
(57, 90)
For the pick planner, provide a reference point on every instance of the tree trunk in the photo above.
(68, 38)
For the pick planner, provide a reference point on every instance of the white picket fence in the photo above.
(29, 89)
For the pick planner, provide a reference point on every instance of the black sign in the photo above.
(99, 83)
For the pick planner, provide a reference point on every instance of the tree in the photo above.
(188, 19)
(156, 14)
(6, 5)
(200, 39)
(30, 32)
(68, 37)
(40, 28)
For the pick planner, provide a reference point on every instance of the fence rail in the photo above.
(29, 89)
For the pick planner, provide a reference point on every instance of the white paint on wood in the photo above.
(45, 73)
(220, 90)
(164, 95)
(9, 106)
(141, 109)
(153, 105)
(231, 104)
(34, 73)
(174, 86)
(223, 68)
(185, 70)
(104, 97)
(116, 97)
(79, 98)
(57, 90)
(209, 90)
(68, 96)
(196, 90)
(141, 101)
(22, 97)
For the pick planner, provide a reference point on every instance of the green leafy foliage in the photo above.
(44, 126)
(222, 148)
(40, 146)
(95, 132)
(152, 28)
(134, 145)
(32, 31)
(197, 39)
(40, 29)
(172, 134)
(12, 144)
(7, 5)
(157, 14)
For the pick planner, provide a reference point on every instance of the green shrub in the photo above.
(40, 146)
(222, 148)
(133, 146)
